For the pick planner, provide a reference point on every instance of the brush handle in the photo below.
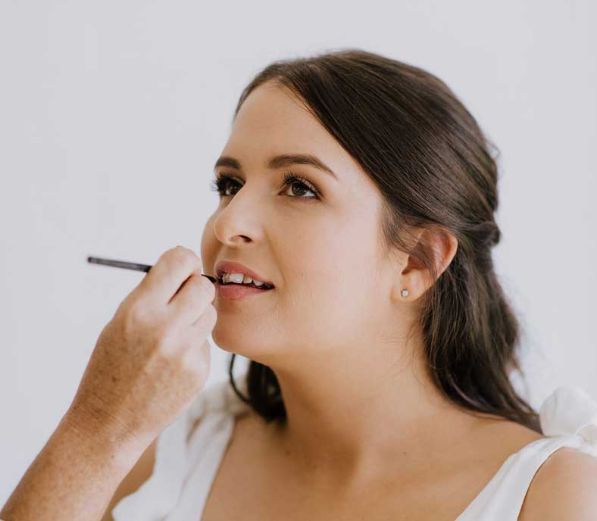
(130, 265)
(119, 264)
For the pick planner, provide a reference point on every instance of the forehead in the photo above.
(273, 120)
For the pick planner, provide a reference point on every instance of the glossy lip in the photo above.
(236, 267)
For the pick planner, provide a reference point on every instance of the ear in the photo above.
(441, 246)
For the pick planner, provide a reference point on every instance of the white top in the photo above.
(187, 462)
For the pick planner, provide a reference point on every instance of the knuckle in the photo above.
(187, 362)
(168, 340)
(186, 257)
(193, 361)
(137, 314)
(196, 281)
(201, 287)
(173, 256)
(179, 252)
(168, 254)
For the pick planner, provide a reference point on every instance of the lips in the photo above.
(236, 267)
(238, 292)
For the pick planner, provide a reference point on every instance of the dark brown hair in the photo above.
(434, 167)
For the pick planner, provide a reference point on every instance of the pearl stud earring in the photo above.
(404, 293)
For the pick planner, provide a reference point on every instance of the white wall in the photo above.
(113, 113)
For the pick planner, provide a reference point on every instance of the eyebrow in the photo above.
(280, 161)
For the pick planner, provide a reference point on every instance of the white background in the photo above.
(112, 115)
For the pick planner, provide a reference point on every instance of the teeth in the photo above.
(240, 278)
(233, 277)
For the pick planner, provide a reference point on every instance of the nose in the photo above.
(238, 220)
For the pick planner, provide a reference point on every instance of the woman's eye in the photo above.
(221, 184)
(291, 180)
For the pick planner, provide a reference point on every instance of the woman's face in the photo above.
(321, 248)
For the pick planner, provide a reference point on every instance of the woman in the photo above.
(364, 192)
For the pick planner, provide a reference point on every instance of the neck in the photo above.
(352, 417)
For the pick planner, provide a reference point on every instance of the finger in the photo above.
(192, 298)
(170, 271)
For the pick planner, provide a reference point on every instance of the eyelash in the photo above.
(220, 183)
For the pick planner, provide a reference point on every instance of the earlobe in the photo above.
(408, 285)
(410, 270)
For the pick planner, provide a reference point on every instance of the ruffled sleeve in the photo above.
(176, 455)
(569, 410)
(155, 498)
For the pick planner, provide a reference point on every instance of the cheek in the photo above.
(324, 301)
(330, 265)
(335, 281)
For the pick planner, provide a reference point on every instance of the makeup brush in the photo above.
(130, 266)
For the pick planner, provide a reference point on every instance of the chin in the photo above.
(238, 341)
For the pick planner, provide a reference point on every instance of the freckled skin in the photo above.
(149, 362)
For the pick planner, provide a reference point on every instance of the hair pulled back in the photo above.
(433, 167)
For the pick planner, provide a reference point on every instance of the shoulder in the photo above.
(563, 488)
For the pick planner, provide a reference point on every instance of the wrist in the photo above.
(102, 440)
